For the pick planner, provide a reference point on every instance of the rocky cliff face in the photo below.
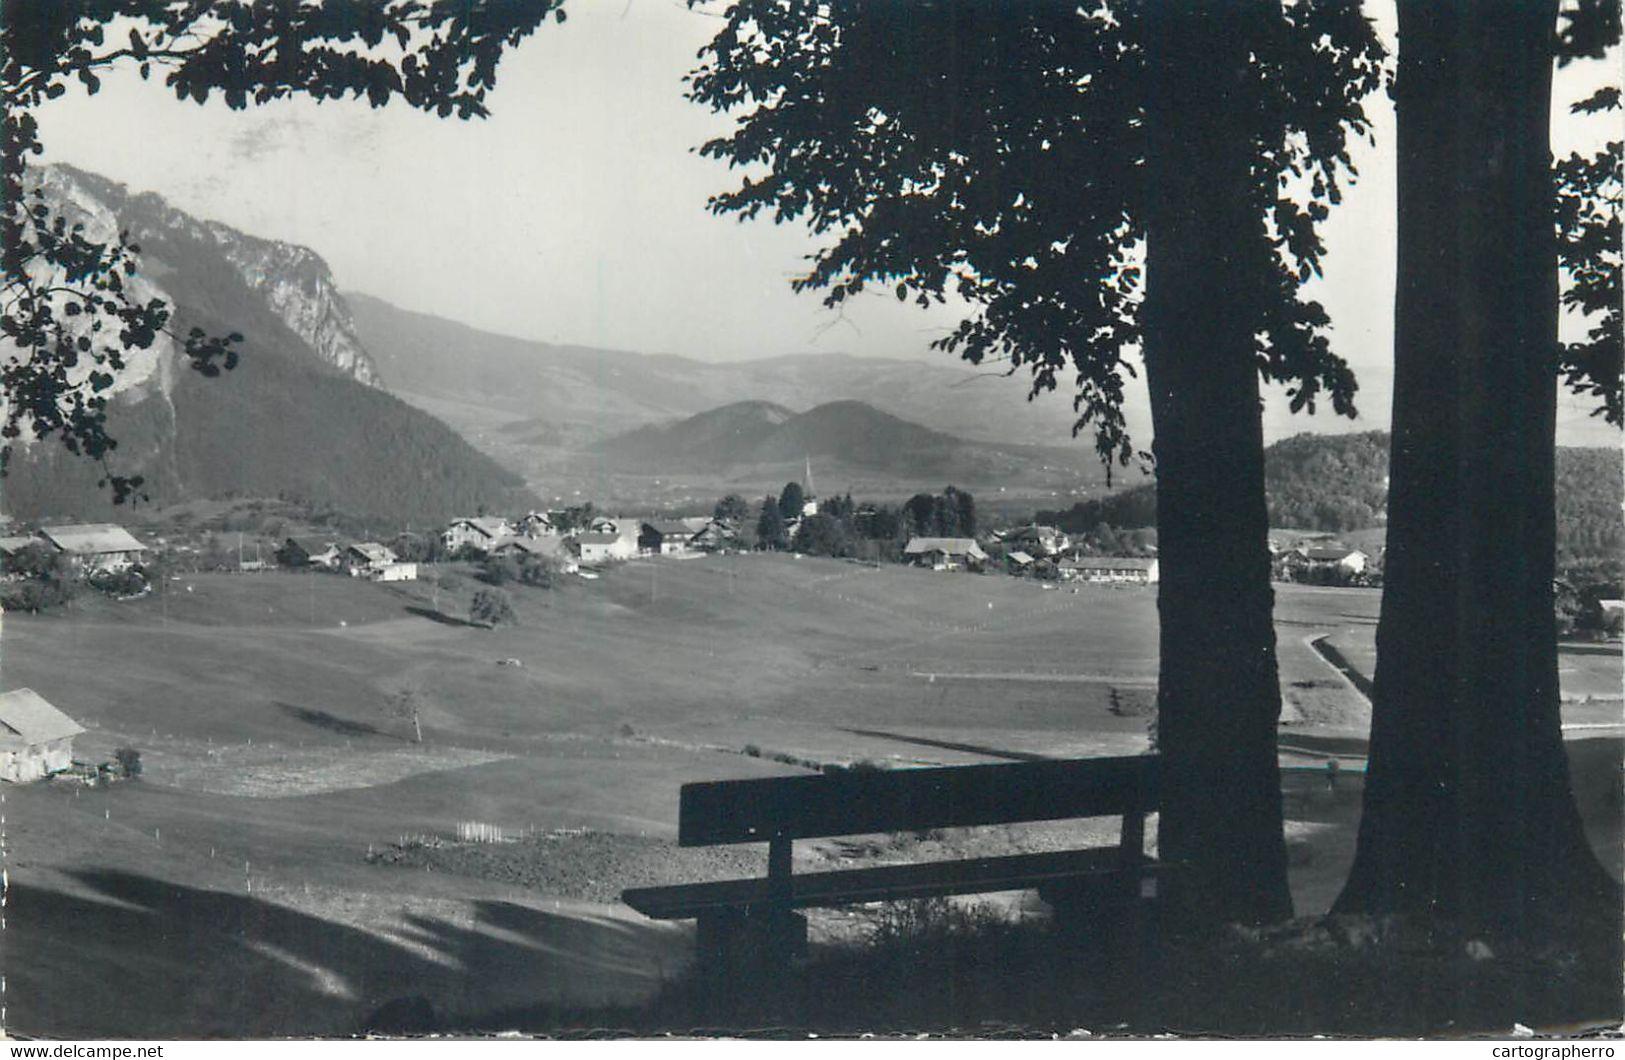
(181, 259)
(299, 288)
(81, 202)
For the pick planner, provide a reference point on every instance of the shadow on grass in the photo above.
(1359, 978)
(130, 956)
(126, 955)
(443, 618)
(321, 719)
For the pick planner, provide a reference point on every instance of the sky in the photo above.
(576, 213)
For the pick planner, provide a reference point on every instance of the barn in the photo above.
(36, 739)
(944, 553)
(96, 547)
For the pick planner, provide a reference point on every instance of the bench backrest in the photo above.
(905, 800)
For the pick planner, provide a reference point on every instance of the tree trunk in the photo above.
(1219, 698)
(1469, 818)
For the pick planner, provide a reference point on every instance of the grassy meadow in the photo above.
(236, 888)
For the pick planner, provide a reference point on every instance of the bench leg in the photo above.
(732, 941)
(1091, 911)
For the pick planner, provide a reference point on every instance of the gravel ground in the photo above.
(597, 866)
(589, 866)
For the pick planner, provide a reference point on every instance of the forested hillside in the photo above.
(1328, 482)
(1336, 483)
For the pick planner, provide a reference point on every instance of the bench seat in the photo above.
(756, 920)
(1011, 872)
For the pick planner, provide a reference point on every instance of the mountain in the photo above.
(300, 417)
(706, 439)
(522, 393)
(846, 441)
(1339, 484)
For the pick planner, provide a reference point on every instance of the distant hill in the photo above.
(710, 438)
(523, 392)
(843, 439)
(1327, 482)
(1339, 484)
(300, 417)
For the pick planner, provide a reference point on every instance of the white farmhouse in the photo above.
(944, 553)
(602, 548)
(96, 547)
(480, 534)
(36, 739)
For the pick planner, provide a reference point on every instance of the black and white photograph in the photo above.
(791, 519)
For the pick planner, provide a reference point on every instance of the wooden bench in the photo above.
(756, 919)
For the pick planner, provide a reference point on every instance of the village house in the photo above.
(1018, 561)
(664, 537)
(1037, 540)
(944, 553)
(395, 572)
(602, 548)
(537, 524)
(551, 548)
(1321, 563)
(480, 534)
(1125, 569)
(366, 559)
(627, 530)
(36, 739)
(1338, 557)
(715, 536)
(309, 552)
(96, 548)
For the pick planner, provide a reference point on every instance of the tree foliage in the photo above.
(1588, 248)
(1588, 191)
(492, 607)
(770, 524)
(37, 577)
(998, 153)
(71, 310)
(732, 509)
(791, 500)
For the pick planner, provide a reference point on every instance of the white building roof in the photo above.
(92, 539)
(373, 552)
(488, 525)
(952, 546)
(27, 719)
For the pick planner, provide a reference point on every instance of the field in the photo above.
(283, 865)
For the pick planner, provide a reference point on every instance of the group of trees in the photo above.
(842, 527)
(1154, 174)
(1579, 610)
(37, 577)
(538, 571)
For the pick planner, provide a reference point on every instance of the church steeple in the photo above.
(809, 499)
